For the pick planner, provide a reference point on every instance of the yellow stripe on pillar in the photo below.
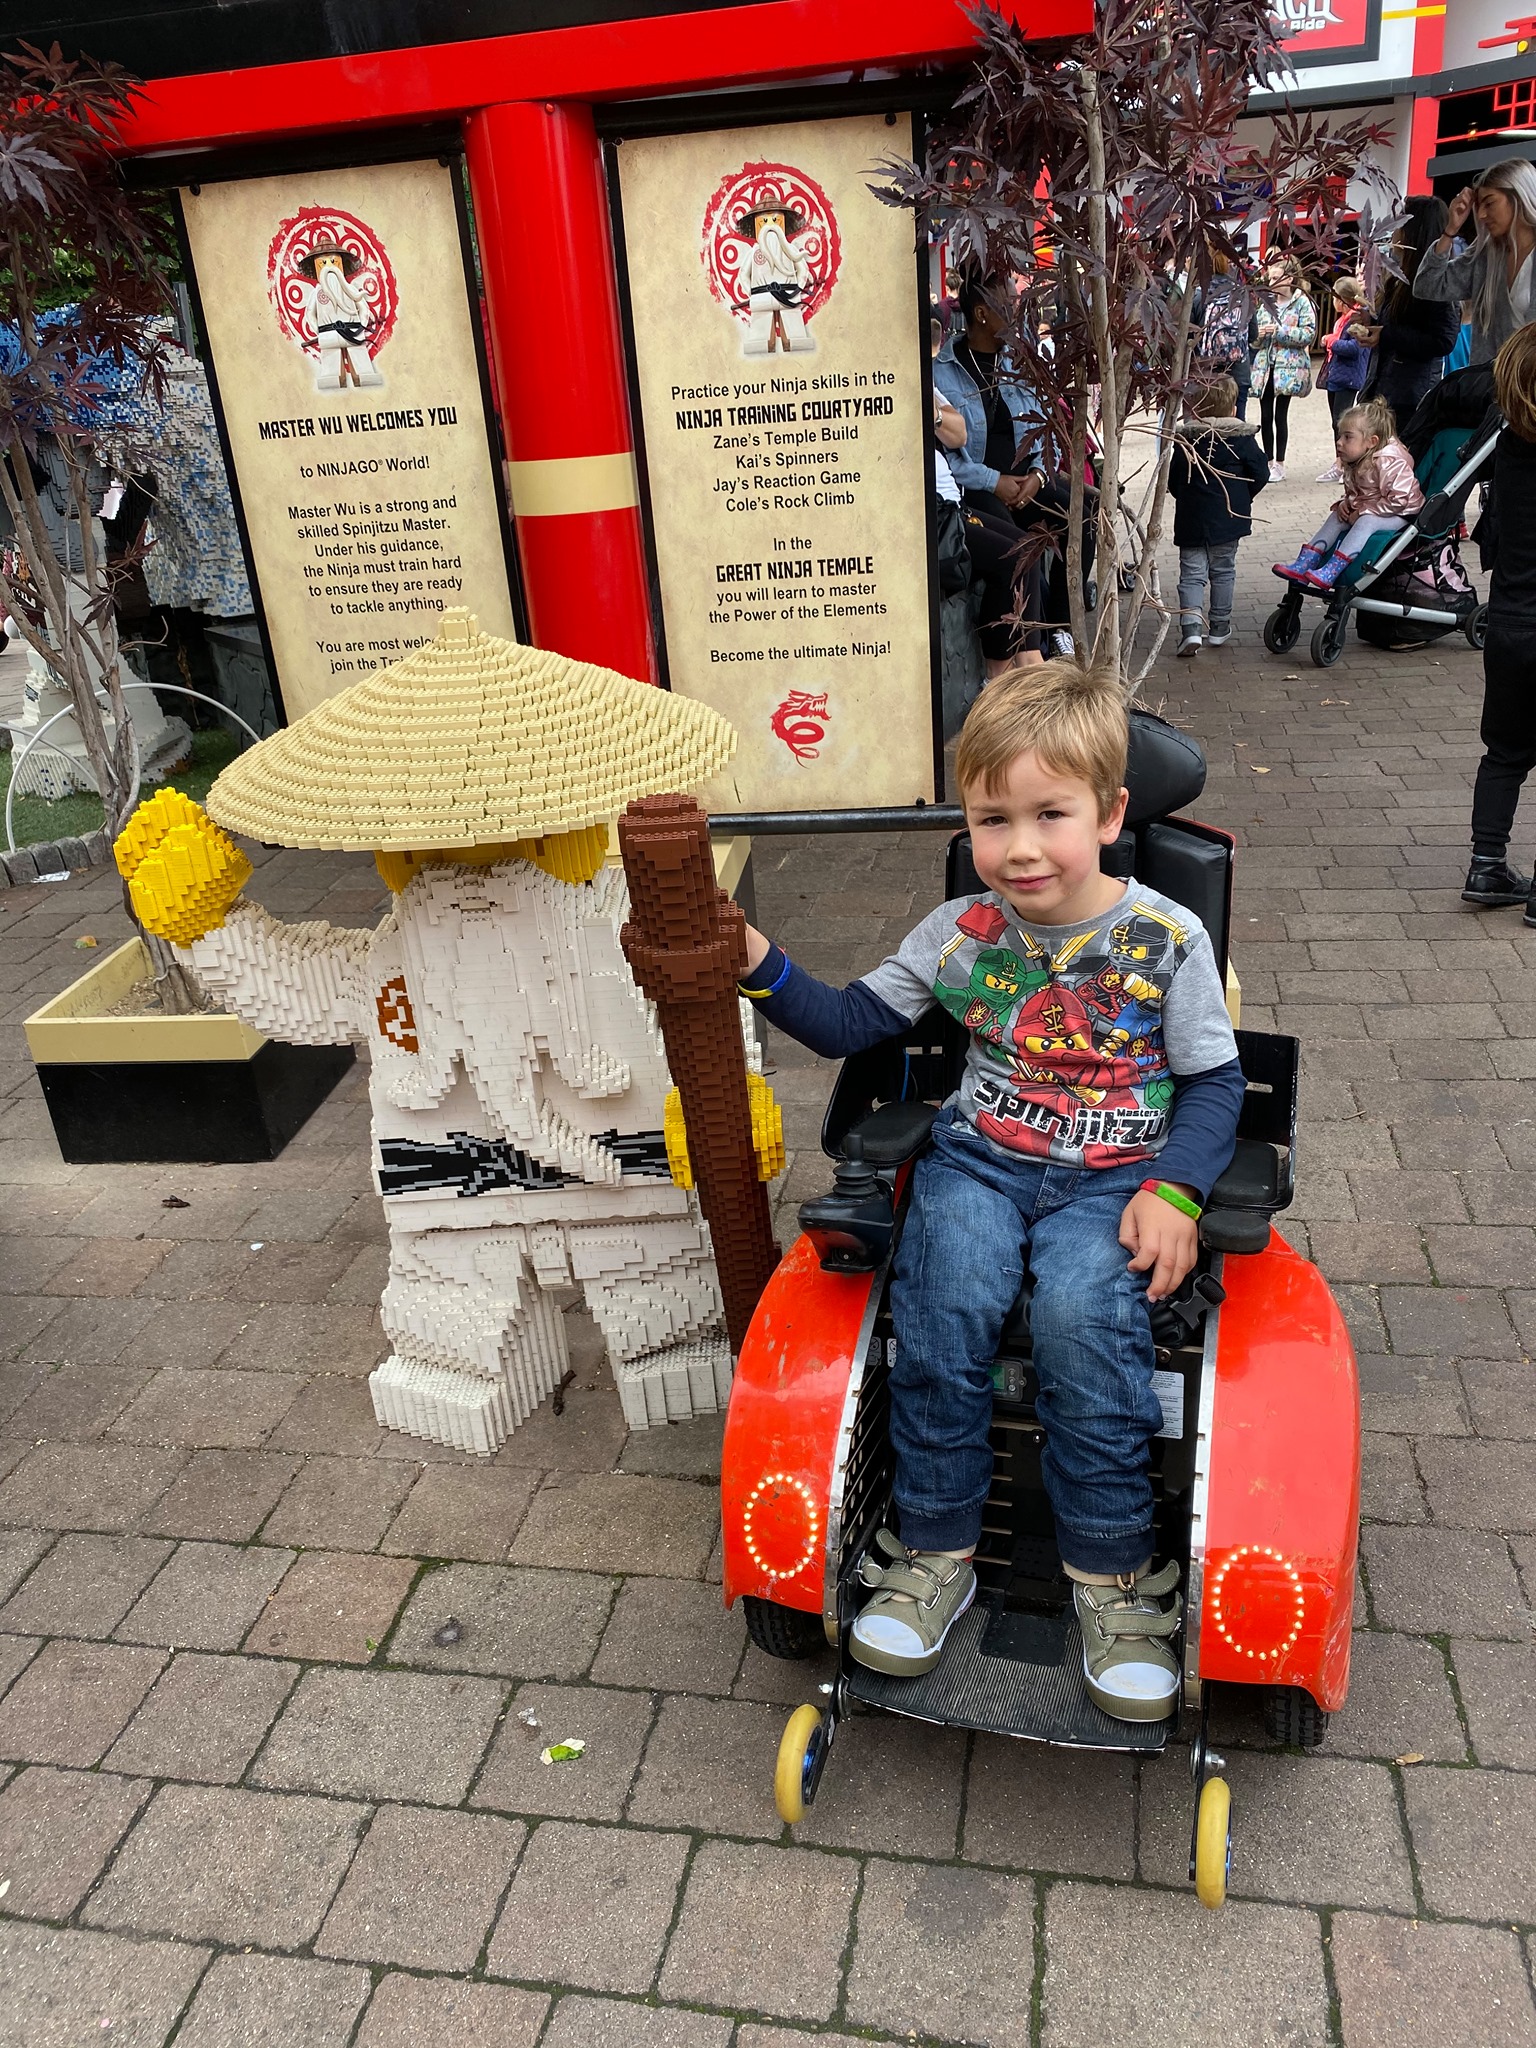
(573, 483)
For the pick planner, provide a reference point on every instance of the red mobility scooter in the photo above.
(1256, 1469)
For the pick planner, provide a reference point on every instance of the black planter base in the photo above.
(204, 1112)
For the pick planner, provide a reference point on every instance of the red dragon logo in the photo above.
(801, 723)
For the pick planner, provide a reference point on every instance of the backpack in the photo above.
(1224, 332)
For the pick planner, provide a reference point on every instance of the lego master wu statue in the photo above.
(518, 1079)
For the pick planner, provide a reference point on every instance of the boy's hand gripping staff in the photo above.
(686, 946)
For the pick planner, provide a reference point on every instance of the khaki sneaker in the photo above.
(916, 1598)
(1129, 1664)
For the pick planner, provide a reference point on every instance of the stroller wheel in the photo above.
(1282, 629)
(1476, 628)
(1329, 638)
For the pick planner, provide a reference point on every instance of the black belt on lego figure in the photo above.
(488, 1166)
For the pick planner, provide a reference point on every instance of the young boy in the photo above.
(1213, 476)
(1099, 1043)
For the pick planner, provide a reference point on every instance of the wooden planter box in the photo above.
(170, 1089)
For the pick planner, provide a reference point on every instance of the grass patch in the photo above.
(72, 817)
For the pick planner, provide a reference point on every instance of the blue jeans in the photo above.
(1219, 563)
(976, 1211)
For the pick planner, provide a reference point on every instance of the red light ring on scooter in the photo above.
(780, 1520)
(1255, 1591)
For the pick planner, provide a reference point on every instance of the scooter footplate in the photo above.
(1009, 1674)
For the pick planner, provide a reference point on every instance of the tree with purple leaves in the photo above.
(1098, 183)
(84, 271)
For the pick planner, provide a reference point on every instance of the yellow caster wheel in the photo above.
(798, 1747)
(1213, 1841)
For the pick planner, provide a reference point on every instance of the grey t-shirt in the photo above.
(1077, 1031)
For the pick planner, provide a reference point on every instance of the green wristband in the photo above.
(1167, 1192)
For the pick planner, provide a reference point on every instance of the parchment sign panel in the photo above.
(337, 313)
(778, 346)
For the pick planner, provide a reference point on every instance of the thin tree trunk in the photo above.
(101, 646)
(1107, 637)
(1147, 576)
(1077, 597)
(170, 977)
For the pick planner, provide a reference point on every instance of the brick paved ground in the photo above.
(247, 1797)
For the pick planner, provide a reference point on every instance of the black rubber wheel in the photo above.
(783, 1631)
(1328, 639)
(1476, 628)
(1293, 1717)
(1282, 629)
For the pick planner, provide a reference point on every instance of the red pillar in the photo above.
(1424, 138)
(541, 215)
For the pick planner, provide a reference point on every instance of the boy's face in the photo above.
(1035, 841)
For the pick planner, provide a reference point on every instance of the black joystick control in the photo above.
(852, 1226)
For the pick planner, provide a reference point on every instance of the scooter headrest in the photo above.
(1165, 769)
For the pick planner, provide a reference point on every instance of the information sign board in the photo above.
(336, 308)
(780, 357)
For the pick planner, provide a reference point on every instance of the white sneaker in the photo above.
(1277, 472)
(1335, 475)
(1191, 643)
(1218, 636)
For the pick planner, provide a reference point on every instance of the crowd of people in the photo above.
(1458, 303)
(997, 471)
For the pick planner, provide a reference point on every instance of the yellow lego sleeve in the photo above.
(183, 874)
(767, 1133)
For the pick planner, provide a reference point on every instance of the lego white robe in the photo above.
(333, 305)
(511, 1052)
(773, 265)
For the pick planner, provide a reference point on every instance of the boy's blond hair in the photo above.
(1514, 382)
(1072, 717)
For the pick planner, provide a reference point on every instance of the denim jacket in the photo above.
(959, 387)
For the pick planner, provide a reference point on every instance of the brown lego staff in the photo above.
(686, 946)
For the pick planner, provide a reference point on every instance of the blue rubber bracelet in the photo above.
(758, 995)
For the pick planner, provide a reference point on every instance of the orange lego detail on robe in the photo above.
(397, 1020)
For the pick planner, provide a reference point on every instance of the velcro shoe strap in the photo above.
(1136, 1621)
(914, 1581)
(1156, 1584)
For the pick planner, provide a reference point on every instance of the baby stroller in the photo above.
(1414, 575)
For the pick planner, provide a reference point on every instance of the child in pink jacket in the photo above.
(1381, 493)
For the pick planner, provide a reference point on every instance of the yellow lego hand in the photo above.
(767, 1133)
(183, 873)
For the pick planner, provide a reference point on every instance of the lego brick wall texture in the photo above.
(189, 1456)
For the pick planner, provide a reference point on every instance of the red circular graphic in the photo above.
(784, 189)
(369, 275)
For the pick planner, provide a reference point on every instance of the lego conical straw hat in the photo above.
(468, 741)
